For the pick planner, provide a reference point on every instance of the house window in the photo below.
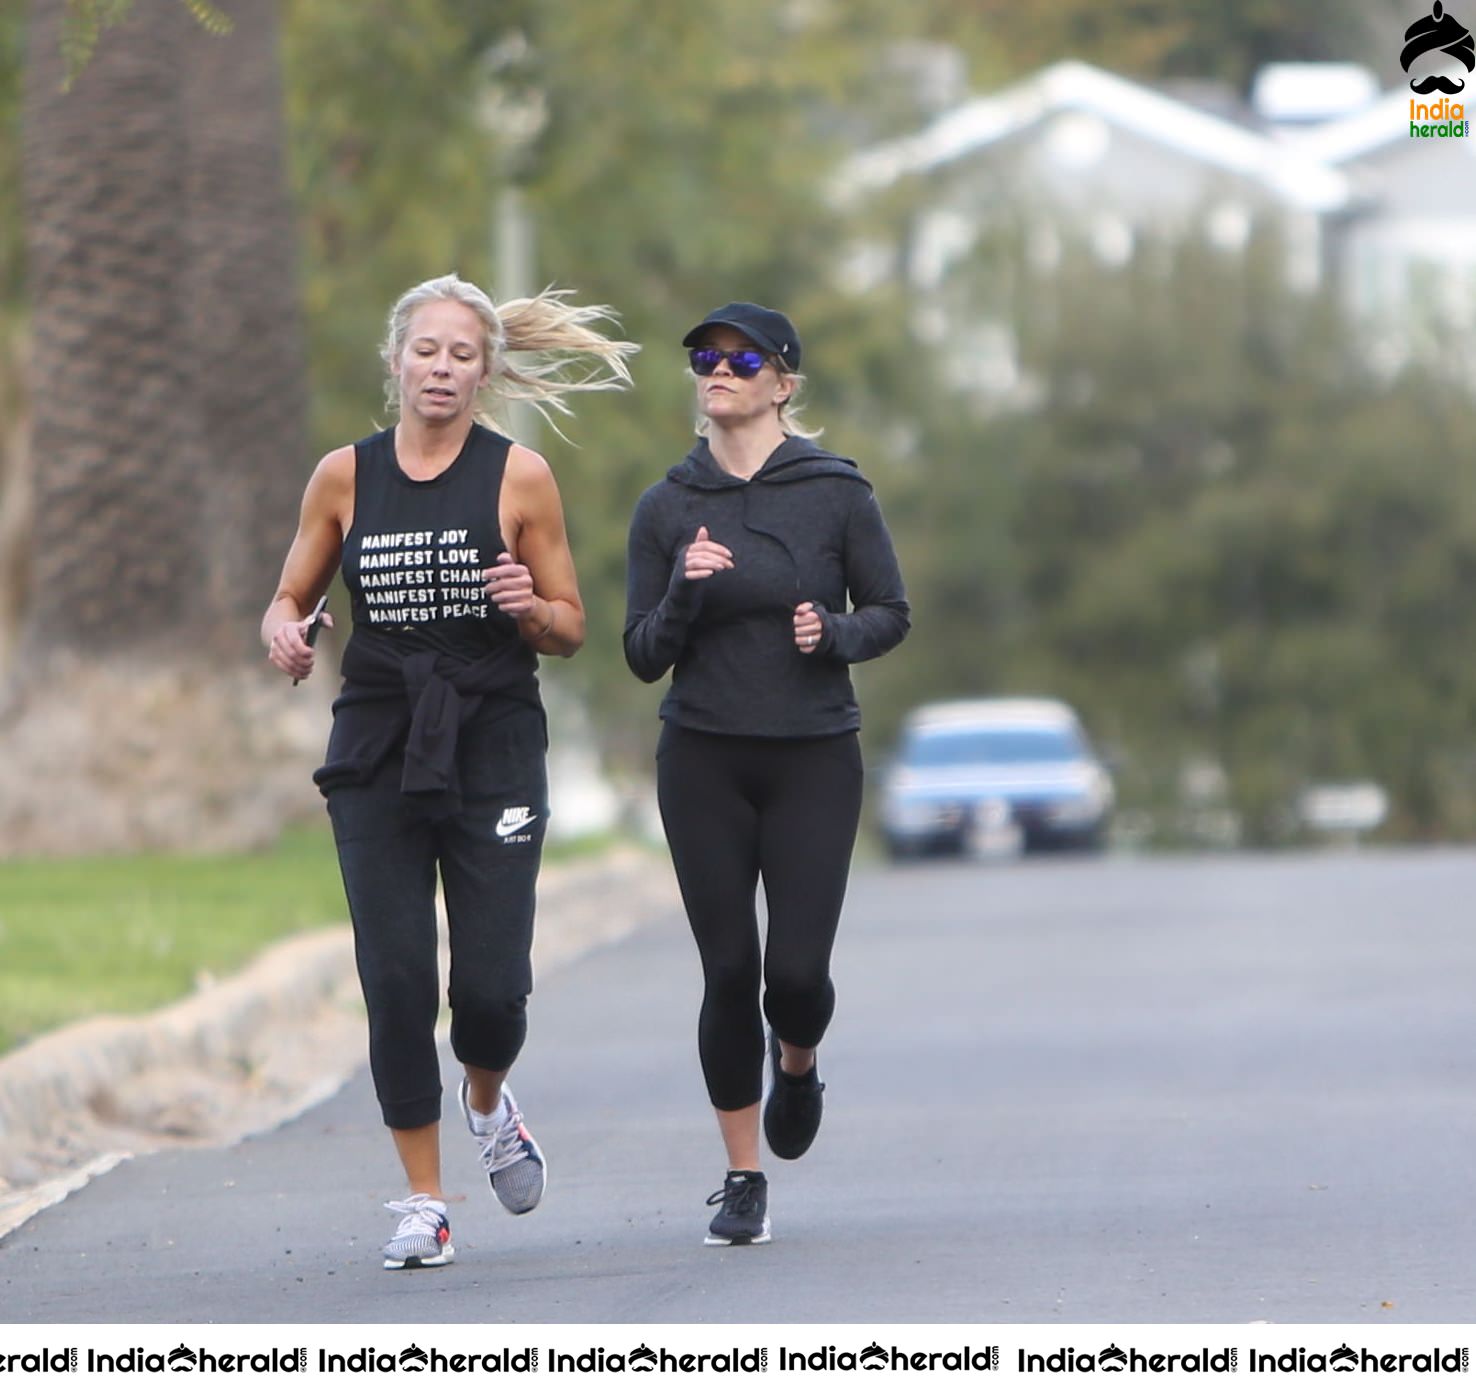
(943, 238)
(1112, 239)
(1228, 227)
(1077, 140)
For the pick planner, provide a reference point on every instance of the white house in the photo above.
(1387, 218)
(1405, 251)
(1113, 157)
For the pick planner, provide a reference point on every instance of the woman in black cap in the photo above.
(741, 561)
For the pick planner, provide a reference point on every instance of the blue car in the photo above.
(1003, 774)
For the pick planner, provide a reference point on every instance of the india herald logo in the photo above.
(1439, 30)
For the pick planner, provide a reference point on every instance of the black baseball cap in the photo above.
(769, 329)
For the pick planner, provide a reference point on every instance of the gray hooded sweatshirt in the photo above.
(806, 526)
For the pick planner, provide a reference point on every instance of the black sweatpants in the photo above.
(737, 809)
(488, 857)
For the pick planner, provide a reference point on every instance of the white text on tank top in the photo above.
(422, 577)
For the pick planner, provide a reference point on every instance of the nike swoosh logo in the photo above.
(506, 828)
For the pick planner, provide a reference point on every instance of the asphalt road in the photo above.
(1207, 1090)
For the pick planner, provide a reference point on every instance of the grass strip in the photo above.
(126, 934)
(122, 934)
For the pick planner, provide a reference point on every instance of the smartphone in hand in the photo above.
(315, 625)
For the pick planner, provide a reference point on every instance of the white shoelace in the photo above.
(418, 1218)
(504, 1146)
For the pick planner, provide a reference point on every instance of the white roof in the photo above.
(1312, 91)
(1000, 710)
(977, 124)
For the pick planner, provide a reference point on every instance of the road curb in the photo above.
(245, 1055)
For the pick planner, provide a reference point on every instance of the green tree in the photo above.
(1151, 39)
(395, 173)
(1229, 543)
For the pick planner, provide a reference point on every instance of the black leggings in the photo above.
(488, 856)
(736, 809)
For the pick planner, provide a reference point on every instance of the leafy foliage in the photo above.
(1231, 544)
(395, 176)
(1155, 39)
(88, 19)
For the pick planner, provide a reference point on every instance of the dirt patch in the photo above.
(127, 755)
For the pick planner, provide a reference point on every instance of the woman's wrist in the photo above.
(547, 627)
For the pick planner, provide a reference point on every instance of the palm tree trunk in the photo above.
(117, 426)
(169, 376)
(248, 342)
(168, 407)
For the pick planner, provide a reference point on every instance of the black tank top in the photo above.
(414, 557)
(430, 654)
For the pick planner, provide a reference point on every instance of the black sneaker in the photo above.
(743, 1220)
(792, 1113)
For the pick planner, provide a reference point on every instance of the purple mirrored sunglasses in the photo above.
(745, 362)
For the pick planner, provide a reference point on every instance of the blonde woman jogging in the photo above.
(453, 549)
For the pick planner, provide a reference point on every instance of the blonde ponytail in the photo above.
(559, 352)
(574, 356)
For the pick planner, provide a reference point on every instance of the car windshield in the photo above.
(1028, 745)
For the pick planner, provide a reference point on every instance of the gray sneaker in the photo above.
(511, 1157)
(423, 1237)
